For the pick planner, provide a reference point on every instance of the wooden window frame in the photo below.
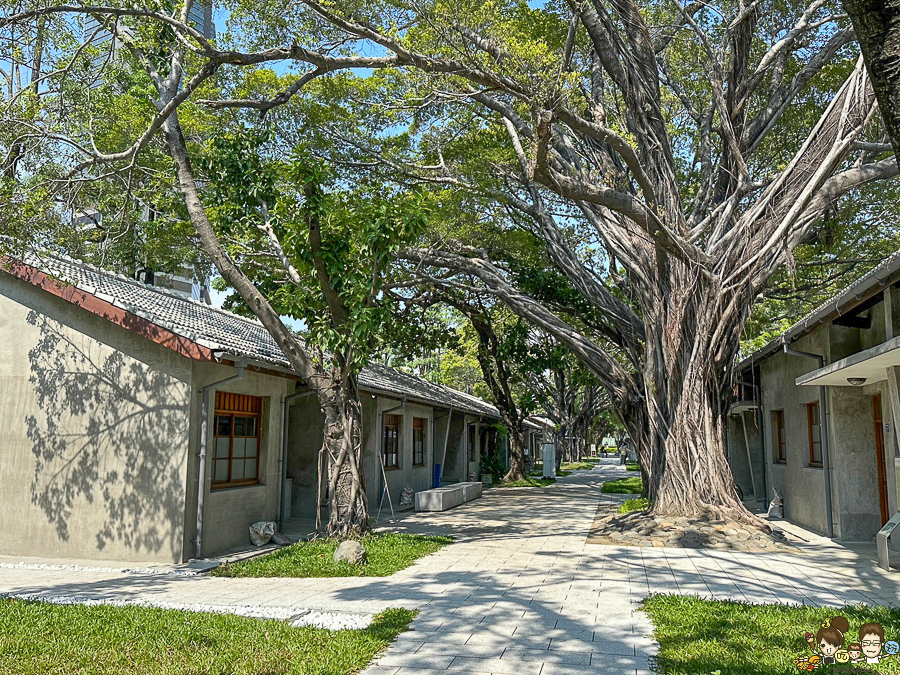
(471, 441)
(233, 406)
(809, 426)
(391, 422)
(780, 449)
(418, 454)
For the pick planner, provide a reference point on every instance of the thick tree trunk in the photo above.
(335, 389)
(679, 427)
(683, 463)
(877, 26)
(695, 478)
(517, 469)
(562, 445)
(348, 511)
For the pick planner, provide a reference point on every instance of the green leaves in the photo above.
(338, 242)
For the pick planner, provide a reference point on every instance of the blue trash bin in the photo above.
(436, 479)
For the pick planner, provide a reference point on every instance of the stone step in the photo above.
(447, 496)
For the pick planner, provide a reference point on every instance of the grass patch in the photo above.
(639, 504)
(628, 486)
(633, 467)
(38, 638)
(387, 553)
(538, 471)
(706, 636)
(528, 482)
(576, 466)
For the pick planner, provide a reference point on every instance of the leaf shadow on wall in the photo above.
(100, 441)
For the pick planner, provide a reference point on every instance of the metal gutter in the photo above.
(204, 442)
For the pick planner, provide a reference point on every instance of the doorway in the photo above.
(879, 459)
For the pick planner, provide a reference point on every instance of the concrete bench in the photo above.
(446, 497)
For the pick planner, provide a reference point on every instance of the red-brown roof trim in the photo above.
(102, 308)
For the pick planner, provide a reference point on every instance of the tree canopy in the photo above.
(629, 177)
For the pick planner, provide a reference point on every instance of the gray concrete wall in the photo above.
(737, 452)
(851, 437)
(229, 512)
(455, 465)
(855, 471)
(307, 424)
(406, 475)
(305, 439)
(802, 486)
(874, 335)
(843, 341)
(94, 436)
(891, 451)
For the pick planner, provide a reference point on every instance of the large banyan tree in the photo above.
(670, 157)
(667, 157)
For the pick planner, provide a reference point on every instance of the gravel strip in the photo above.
(106, 570)
(297, 616)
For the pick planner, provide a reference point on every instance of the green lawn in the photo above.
(705, 636)
(576, 466)
(43, 639)
(528, 482)
(629, 486)
(387, 553)
(633, 467)
(639, 504)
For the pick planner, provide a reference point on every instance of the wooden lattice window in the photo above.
(418, 441)
(779, 446)
(391, 441)
(814, 424)
(235, 459)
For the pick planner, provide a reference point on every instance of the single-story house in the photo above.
(538, 430)
(110, 389)
(816, 414)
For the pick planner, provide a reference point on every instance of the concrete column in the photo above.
(888, 313)
(893, 379)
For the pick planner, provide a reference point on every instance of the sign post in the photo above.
(882, 539)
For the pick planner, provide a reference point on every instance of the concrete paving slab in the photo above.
(519, 581)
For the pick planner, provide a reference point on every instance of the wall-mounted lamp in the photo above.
(856, 381)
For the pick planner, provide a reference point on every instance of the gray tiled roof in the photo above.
(886, 270)
(379, 378)
(229, 333)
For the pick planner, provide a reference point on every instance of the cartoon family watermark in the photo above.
(833, 646)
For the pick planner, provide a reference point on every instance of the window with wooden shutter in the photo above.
(391, 442)
(418, 441)
(814, 424)
(779, 446)
(235, 452)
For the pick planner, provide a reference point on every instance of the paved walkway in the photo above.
(520, 591)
